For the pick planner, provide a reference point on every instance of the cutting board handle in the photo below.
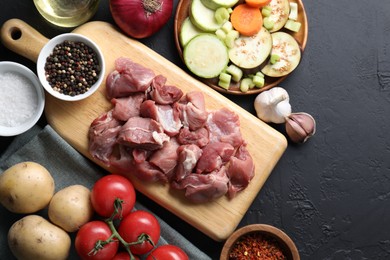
(23, 39)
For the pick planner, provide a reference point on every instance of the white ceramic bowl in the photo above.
(48, 49)
(16, 69)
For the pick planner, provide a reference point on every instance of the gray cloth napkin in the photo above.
(67, 167)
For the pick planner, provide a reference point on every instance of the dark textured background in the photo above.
(332, 194)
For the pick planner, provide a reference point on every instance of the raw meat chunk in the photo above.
(164, 94)
(166, 158)
(126, 107)
(130, 162)
(241, 170)
(199, 137)
(214, 155)
(129, 77)
(102, 136)
(192, 110)
(224, 126)
(201, 188)
(142, 133)
(145, 171)
(164, 114)
(188, 156)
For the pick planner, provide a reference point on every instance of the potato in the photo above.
(71, 207)
(33, 237)
(26, 187)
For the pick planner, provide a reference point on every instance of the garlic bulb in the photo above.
(300, 127)
(273, 105)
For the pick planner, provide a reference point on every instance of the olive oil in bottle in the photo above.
(67, 13)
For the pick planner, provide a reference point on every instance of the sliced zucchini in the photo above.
(226, 3)
(250, 52)
(206, 55)
(215, 4)
(280, 10)
(289, 53)
(203, 17)
(188, 31)
(210, 4)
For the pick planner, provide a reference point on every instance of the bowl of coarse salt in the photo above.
(22, 99)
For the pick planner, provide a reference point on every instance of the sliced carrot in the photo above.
(257, 3)
(246, 20)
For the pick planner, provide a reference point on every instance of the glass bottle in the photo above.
(67, 13)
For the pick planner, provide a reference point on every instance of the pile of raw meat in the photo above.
(157, 133)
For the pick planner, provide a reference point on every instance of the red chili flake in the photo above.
(256, 246)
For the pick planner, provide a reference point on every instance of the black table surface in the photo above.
(331, 195)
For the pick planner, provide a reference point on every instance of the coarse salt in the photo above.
(18, 99)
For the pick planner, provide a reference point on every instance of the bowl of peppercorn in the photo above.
(70, 67)
(259, 241)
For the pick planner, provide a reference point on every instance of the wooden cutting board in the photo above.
(71, 120)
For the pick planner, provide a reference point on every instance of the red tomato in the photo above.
(137, 223)
(167, 252)
(124, 256)
(107, 190)
(88, 235)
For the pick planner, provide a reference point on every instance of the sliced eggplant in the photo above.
(251, 51)
(286, 48)
(280, 11)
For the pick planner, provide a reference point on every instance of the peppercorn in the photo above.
(72, 68)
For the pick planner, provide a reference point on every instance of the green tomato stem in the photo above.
(115, 236)
(118, 209)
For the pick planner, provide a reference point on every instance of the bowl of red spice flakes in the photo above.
(70, 67)
(259, 241)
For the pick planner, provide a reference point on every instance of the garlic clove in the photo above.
(300, 127)
(281, 112)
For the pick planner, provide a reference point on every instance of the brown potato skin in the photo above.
(33, 237)
(71, 207)
(26, 187)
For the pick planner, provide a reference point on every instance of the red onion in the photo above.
(141, 18)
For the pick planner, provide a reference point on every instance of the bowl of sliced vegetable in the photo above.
(259, 241)
(241, 47)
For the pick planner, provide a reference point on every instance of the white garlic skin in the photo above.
(273, 105)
